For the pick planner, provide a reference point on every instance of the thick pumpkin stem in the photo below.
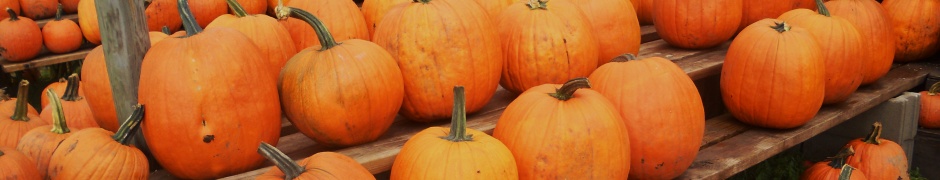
(840, 159)
(58, 13)
(126, 131)
(166, 30)
(236, 8)
(19, 113)
(458, 120)
(71, 89)
(58, 115)
(13, 16)
(189, 22)
(934, 89)
(822, 8)
(624, 58)
(846, 173)
(781, 27)
(874, 135)
(290, 168)
(326, 39)
(537, 4)
(567, 90)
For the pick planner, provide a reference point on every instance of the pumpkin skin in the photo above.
(755, 66)
(95, 153)
(74, 106)
(253, 6)
(272, 39)
(834, 168)
(59, 87)
(61, 36)
(12, 4)
(872, 23)
(656, 98)
(615, 26)
(342, 17)
(163, 13)
(549, 44)
(38, 9)
(493, 7)
(322, 165)
(17, 122)
(474, 60)
(69, 6)
(88, 21)
(17, 165)
(374, 10)
(755, 10)
(915, 28)
(40, 142)
(565, 125)
(207, 10)
(20, 38)
(841, 47)
(930, 108)
(710, 27)
(644, 11)
(878, 158)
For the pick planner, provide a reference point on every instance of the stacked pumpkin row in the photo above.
(873, 156)
(21, 39)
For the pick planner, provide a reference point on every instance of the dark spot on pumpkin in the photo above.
(203, 123)
(642, 160)
(208, 138)
(72, 147)
(226, 144)
(563, 40)
(478, 171)
(660, 165)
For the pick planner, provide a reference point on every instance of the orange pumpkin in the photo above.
(69, 6)
(341, 16)
(76, 109)
(494, 7)
(251, 6)
(207, 10)
(40, 142)
(458, 46)
(95, 153)
(871, 21)
(38, 9)
(656, 99)
(88, 21)
(434, 153)
(930, 107)
(58, 87)
(157, 36)
(773, 75)
(644, 11)
(11, 4)
(17, 165)
(545, 42)
(322, 165)
(341, 68)
(545, 128)
(834, 168)
(162, 13)
(272, 39)
(755, 10)
(20, 38)
(374, 10)
(916, 27)
(615, 26)
(878, 158)
(17, 122)
(227, 105)
(711, 26)
(61, 36)
(841, 47)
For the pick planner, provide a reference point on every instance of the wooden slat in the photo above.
(46, 59)
(73, 17)
(648, 33)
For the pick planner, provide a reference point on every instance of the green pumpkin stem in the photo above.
(624, 58)
(326, 39)
(846, 173)
(781, 27)
(236, 8)
(934, 89)
(822, 8)
(126, 131)
(59, 125)
(189, 22)
(290, 168)
(166, 30)
(840, 159)
(567, 90)
(13, 16)
(71, 89)
(875, 134)
(537, 4)
(458, 120)
(19, 114)
(58, 13)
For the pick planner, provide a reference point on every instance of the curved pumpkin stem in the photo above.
(326, 39)
(846, 173)
(19, 114)
(58, 13)
(166, 30)
(127, 129)
(934, 89)
(13, 16)
(874, 135)
(58, 116)
(458, 120)
(189, 22)
(840, 159)
(624, 58)
(567, 90)
(71, 89)
(290, 168)
(236, 8)
(822, 8)
(537, 4)
(781, 26)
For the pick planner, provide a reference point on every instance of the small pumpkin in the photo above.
(322, 165)
(12, 4)
(712, 25)
(272, 39)
(61, 36)
(17, 165)
(878, 158)
(40, 142)
(548, 123)
(38, 9)
(615, 26)
(162, 13)
(20, 38)
(434, 153)
(872, 23)
(834, 168)
(374, 10)
(644, 11)
(88, 21)
(916, 27)
(75, 107)
(95, 153)
(930, 107)
(251, 6)
(342, 16)
(15, 122)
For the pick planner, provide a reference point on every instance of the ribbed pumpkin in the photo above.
(457, 46)
(871, 21)
(95, 153)
(207, 10)
(615, 26)
(272, 39)
(434, 153)
(88, 21)
(755, 10)
(565, 132)
(11, 4)
(219, 103)
(644, 11)
(841, 47)
(16, 122)
(322, 165)
(61, 35)
(252, 6)
(76, 109)
(17, 165)
(341, 93)
(374, 10)
(930, 107)
(38, 9)
(656, 98)
(161, 13)
(773, 75)
(545, 42)
(878, 158)
(683, 27)
(834, 168)
(496, 7)
(40, 142)
(20, 38)
(342, 16)
(59, 87)
(916, 27)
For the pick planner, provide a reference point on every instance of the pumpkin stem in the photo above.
(58, 13)
(822, 8)
(781, 26)
(537, 4)
(290, 168)
(281, 12)
(567, 90)
(71, 89)
(166, 30)
(874, 135)
(624, 58)
(236, 8)
(326, 39)
(19, 114)
(13, 16)
(840, 159)
(189, 22)
(127, 129)
(58, 116)
(846, 173)
(934, 89)
(458, 120)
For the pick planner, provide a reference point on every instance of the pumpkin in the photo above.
(272, 39)
(915, 26)
(434, 153)
(17, 165)
(615, 26)
(226, 106)
(494, 7)
(38, 9)
(69, 6)
(60, 87)
(930, 107)
(74, 106)
(95, 153)
(773, 75)
(550, 123)
(40, 142)
(157, 36)
(545, 42)
(870, 19)
(88, 21)
(322, 165)
(656, 98)
(341, 16)
(251, 6)
(755, 10)
(20, 38)
(11, 4)
(834, 168)
(207, 10)
(161, 13)
(841, 47)
(16, 122)
(644, 11)
(374, 10)
(878, 158)
(61, 36)
(457, 46)
(363, 81)
(711, 26)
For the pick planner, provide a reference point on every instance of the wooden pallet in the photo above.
(45, 57)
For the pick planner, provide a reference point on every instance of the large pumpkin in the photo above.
(88, 21)
(40, 142)
(322, 165)
(219, 103)
(358, 89)
(16, 122)
(12, 5)
(870, 19)
(161, 13)
(272, 39)
(95, 153)
(841, 46)
(374, 10)
(615, 26)
(341, 16)
(834, 168)
(495, 7)
(930, 107)
(69, 6)
(773, 75)
(17, 165)
(458, 46)
(656, 98)
(683, 27)
(38, 9)
(878, 158)
(74, 106)
(755, 10)
(252, 6)
(20, 38)
(644, 11)
(547, 129)
(61, 35)
(431, 154)
(545, 42)
(916, 27)
(207, 10)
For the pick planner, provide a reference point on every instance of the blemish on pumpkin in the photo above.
(208, 138)
(72, 147)
(478, 171)
(660, 165)
(642, 160)
(203, 123)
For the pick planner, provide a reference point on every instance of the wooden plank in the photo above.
(73, 17)
(46, 59)
(125, 40)
(648, 33)
(721, 128)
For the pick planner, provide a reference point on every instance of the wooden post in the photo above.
(124, 36)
